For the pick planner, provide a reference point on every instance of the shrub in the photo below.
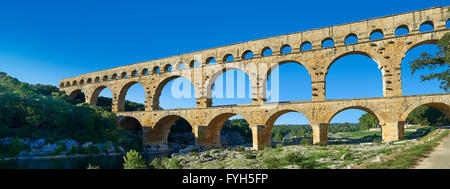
(377, 140)
(93, 166)
(306, 141)
(133, 160)
(272, 162)
(250, 156)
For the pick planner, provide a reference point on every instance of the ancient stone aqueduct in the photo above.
(391, 110)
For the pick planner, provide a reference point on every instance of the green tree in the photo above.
(368, 121)
(442, 59)
(133, 160)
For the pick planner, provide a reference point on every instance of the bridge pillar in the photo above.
(201, 136)
(146, 131)
(116, 106)
(204, 102)
(259, 135)
(393, 131)
(392, 79)
(320, 132)
(318, 90)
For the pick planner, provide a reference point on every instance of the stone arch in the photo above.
(348, 38)
(160, 87)
(114, 76)
(421, 42)
(324, 45)
(440, 104)
(167, 68)
(74, 83)
(134, 73)
(97, 79)
(263, 51)
(215, 126)
(194, 63)
(372, 37)
(396, 32)
(276, 114)
(304, 44)
(228, 56)
(123, 92)
(369, 108)
(144, 71)
(284, 49)
(61, 85)
(156, 69)
(274, 66)
(95, 94)
(123, 75)
(74, 93)
(428, 22)
(353, 53)
(209, 60)
(105, 78)
(89, 81)
(68, 84)
(81, 81)
(247, 53)
(129, 123)
(160, 130)
(212, 79)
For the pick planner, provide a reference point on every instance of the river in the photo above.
(105, 162)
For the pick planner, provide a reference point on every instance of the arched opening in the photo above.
(354, 125)
(81, 81)
(402, 30)
(144, 71)
(289, 127)
(228, 58)
(229, 129)
(68, 84)
(102, 97)
(247, 55)
(77, 96)
(412, 84)
(97, 79)
(173, 131)
(174, 93)
(376, 34)
(266, 51)
(134, 73)
(210, 60)
(288, 81)
(105, 78)
(426, 27)
(231, 86)
(156, 70)
(447, 24)
(133, 128)
(306, 46)
(353, 75)
(74, 83)
(168, 68)
(351, 39)
(132, 97)
(285, 49)
(123, 75)
(327, 43)
(114, 76)
(424, 118)
(194, 64)
(89, 81)
(61, 85)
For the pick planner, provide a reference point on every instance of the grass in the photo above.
(408, 158)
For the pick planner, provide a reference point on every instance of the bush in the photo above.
(133, 160)
(93, 166)
(377, 140)
(306, 141)
(250, 156)
(272, 163)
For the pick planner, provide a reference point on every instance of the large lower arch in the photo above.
(161, 86)
(160, 131)
(135, 129)
(441, 105)
(270, 123)
(78, 96)
(214, 129)
(275, 83)
(95, 96)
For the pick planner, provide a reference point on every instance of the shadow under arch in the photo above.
(129, 123)
(161, 129)
(441, 106)
(214, 129)
(273, 67)
(160, 87)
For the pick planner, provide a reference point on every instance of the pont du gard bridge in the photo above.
(206, 120)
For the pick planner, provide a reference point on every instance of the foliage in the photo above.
(426, 116)
(238, 125)
(250, 156)
(133, 160)
(41, 111)
(442, 59)
(368, 121)
(93, 166)
(165, 163)
(306, 141)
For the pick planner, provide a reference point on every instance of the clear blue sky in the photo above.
(45, 41)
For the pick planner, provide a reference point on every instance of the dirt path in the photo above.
(439, 158)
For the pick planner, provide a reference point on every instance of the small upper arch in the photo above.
(210, 60)
(426, 26)
(351, 39)
(285, 49)
(134, 73)
(123, 75)
(376, 34)
(156, 69)
(266, 51)
(305, 46)
(402, 30)
(228, 58)
(248, 54)
(327, 42)
(81, 81)
(168, 68)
